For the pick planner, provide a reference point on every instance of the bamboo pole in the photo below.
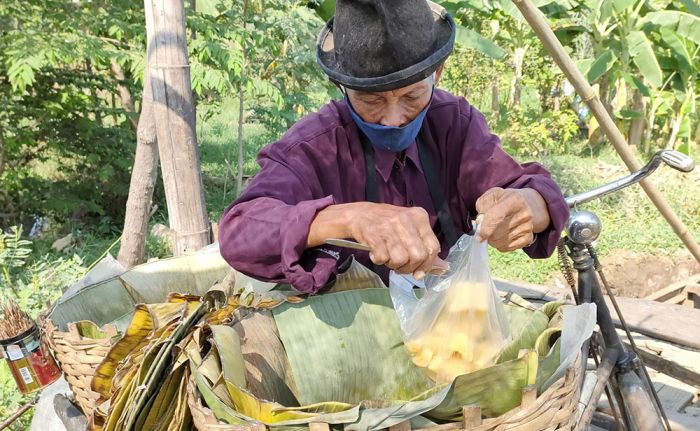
(541, 27)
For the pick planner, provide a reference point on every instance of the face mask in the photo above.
(390, 138)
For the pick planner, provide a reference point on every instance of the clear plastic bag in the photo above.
(459, 325)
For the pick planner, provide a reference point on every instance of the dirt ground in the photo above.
(637, 275)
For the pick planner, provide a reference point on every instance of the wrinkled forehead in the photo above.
(415, 87)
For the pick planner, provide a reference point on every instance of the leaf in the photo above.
(679, 50)
(526, 326)
(88, 329)
(220, 409)
(470, 39)
(621, 5)
(548, 365)
(228, 346)
(584, 65)
(496, 389)
(113, 300)
(692, 6)
(684, 24)
(325, 9)
(641, 51)
(362, 367)
(628, 114)
(637, 83)
(600, 66)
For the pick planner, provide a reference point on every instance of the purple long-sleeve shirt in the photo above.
(320, 162)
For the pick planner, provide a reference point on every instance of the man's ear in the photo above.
(438, 73)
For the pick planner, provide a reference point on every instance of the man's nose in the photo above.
(394, 115)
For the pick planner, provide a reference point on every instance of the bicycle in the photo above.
(620, 372)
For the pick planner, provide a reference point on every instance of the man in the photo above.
(398, 164)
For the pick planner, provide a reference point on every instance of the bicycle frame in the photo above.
(620, 370)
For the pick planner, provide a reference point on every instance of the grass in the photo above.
(218, 137)
(630, 221)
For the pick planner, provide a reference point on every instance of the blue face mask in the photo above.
(390, 138)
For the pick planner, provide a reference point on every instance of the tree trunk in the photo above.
(93, 93)
(144, 174)
(518, 59)
(125, 94)
(556, 96)
(494, 95)
(604, 92)
(675, 128)
(173, 108)
(239, 167)
(2, 151)
(239, 171)
(637, 125)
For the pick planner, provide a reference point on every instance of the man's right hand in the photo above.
(400, 238)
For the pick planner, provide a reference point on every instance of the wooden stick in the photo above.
(18, 413)
(541, 27)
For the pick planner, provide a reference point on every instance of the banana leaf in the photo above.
(348, 347)
(525, 325)
(496, 389)
(113, 300)
(143, 324)
(353, 339)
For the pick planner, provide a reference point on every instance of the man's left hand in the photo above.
(509, 218)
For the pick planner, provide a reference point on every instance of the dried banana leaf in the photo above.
(144, 322)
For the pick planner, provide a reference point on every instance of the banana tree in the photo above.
(678, 36)
(647, 48)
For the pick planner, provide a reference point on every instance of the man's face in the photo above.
(396, 107)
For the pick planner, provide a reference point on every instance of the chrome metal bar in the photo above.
(672, 158)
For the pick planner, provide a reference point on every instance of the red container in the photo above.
(30, 362)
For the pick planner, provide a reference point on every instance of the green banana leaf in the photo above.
(337, 353)
(113, 300)
(496, 389)
(351, 338)
(525, 325)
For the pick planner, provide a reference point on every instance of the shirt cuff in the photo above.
(307, 270)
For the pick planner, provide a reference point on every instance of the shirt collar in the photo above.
(385, 160)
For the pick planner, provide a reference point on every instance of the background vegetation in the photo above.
(70, 84)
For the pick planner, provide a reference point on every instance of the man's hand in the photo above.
(400, 238)
(509, 218)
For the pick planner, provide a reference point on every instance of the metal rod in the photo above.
(649, 383)
(541, 27)
(616, 185)
(606, 367)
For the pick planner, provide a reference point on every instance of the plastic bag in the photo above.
(459, 325)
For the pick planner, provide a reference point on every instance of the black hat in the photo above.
(382, 45)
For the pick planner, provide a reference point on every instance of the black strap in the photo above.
(445, 225)
(432, 177)
(371, 187)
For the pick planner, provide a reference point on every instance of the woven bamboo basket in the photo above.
(78, 357)
(555, 409)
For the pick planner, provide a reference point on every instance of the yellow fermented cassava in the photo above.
(464, 337)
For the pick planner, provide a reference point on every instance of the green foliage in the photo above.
(33, 281)
(58, 125)
(534, 134)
